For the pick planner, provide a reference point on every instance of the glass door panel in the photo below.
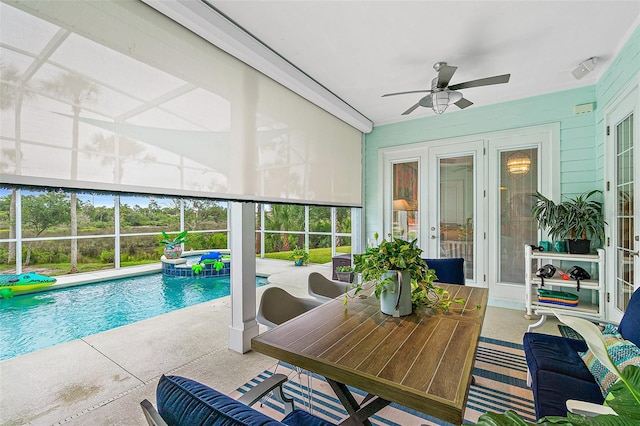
(624, 213)
(518, 182)
(457, 201)
(405, 210)
(456, 206)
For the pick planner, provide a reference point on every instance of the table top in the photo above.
(423, 361)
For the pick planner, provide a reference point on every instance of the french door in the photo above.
(471, 198)
(624, 247)
(456, 210)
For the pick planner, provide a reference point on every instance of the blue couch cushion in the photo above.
(630, 324)
(558, 373)
(302, 418)
(183, 402)
(449, 270)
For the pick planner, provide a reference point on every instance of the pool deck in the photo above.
(101, 379)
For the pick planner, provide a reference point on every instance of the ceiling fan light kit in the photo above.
(442, 95)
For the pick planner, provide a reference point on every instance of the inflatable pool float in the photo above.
(12, 284)
(213, 257)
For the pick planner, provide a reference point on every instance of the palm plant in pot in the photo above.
(576, 219)
(400, 278)
(173, 246)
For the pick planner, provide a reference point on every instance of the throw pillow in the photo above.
(622, 353)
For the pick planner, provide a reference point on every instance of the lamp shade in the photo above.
(401, 205)
(518, 163)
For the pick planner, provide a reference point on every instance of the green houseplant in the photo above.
(172, 246)
(299, 256)
(575, 219)
(379, 267)
(345, 273)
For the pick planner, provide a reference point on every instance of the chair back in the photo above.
(278, 306)
(630, 324)
(448, 270)
(324, 289)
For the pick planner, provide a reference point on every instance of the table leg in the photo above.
(358, 414)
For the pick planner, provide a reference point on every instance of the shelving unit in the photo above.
(591, 307)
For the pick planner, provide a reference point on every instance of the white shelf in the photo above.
(592, 292)
(556, 282)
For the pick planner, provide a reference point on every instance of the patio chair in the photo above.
(185, 402)
(278, 306)
(324, 289)
(448, 270)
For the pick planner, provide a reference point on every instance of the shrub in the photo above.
(107, 256)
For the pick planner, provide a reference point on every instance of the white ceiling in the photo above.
(360, 50)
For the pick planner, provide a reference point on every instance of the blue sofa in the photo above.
(558, 372)
(185, 402)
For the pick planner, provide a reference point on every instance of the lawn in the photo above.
(319, 255)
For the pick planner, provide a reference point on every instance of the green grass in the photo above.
(319, 255)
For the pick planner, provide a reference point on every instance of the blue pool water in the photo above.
(36, 321)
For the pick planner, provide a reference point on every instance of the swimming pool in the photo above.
(35, 321)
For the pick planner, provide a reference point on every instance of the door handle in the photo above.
(433, 237)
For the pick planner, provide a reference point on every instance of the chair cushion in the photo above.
(302, 418)
(558, 373)
(622, 353)
(557, 354)
(183, 402)
(630, 324)
(448, 270)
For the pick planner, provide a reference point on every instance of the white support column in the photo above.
(243, 276)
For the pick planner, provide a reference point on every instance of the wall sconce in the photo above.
(518, 163)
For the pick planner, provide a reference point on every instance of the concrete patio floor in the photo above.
(101, 379)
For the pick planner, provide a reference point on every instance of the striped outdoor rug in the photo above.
(500, 375)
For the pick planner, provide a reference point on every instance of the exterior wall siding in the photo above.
(581, 136)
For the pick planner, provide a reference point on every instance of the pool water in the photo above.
(40, 320)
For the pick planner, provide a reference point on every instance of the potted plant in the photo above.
(299, 256)
(345, 273)
(400, 278)
(575, 219)
(173, 246)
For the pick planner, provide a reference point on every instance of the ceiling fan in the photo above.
(441, 94)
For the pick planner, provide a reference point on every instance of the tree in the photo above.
(14, 89)
(77, 91)
(285, 217)
(42, 212)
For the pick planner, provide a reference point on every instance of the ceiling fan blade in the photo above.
(463, 103)
(444, 75)
(498, 79)
(405, 93)
(410, 110)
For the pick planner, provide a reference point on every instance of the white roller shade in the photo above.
(115, 96)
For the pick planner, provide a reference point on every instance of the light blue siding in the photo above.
(581, 136)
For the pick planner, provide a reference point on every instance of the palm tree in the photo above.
(13, 91)
(77, 91)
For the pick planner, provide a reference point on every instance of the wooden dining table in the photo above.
(423, 361)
